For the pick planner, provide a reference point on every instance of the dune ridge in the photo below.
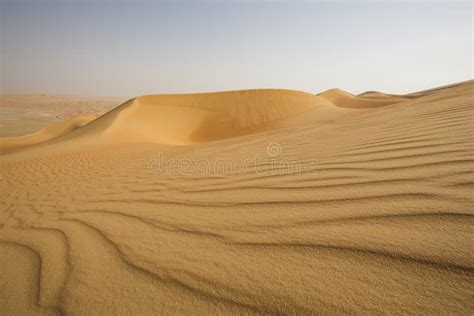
(384, 224)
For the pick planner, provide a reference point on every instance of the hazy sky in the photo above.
(131, 48)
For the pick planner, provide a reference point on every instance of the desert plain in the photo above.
(264, 201)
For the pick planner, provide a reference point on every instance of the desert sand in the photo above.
(22, 114)
(328, 203)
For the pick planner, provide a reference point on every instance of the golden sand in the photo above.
(101, 217)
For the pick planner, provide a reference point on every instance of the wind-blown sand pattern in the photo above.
(89, 223)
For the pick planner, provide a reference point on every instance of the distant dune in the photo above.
(368, 100)
(202, 117)
(12, 144)
(327, 203)
(184, 119)
(22, 114)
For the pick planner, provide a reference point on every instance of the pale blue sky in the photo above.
(131, 48)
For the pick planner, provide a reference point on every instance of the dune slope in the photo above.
(365, 210)
(196, 118)
(13, 144)
(22, 114)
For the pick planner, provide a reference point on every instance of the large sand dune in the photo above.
(181, 119)
(197, 118)
(116, 216)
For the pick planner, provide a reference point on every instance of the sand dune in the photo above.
(382, 96)
(185, 119)
(105, 219)
(26, 114)
(12, 144)
(345, 99)
(196, 118)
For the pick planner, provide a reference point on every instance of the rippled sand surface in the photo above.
(328, 204)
